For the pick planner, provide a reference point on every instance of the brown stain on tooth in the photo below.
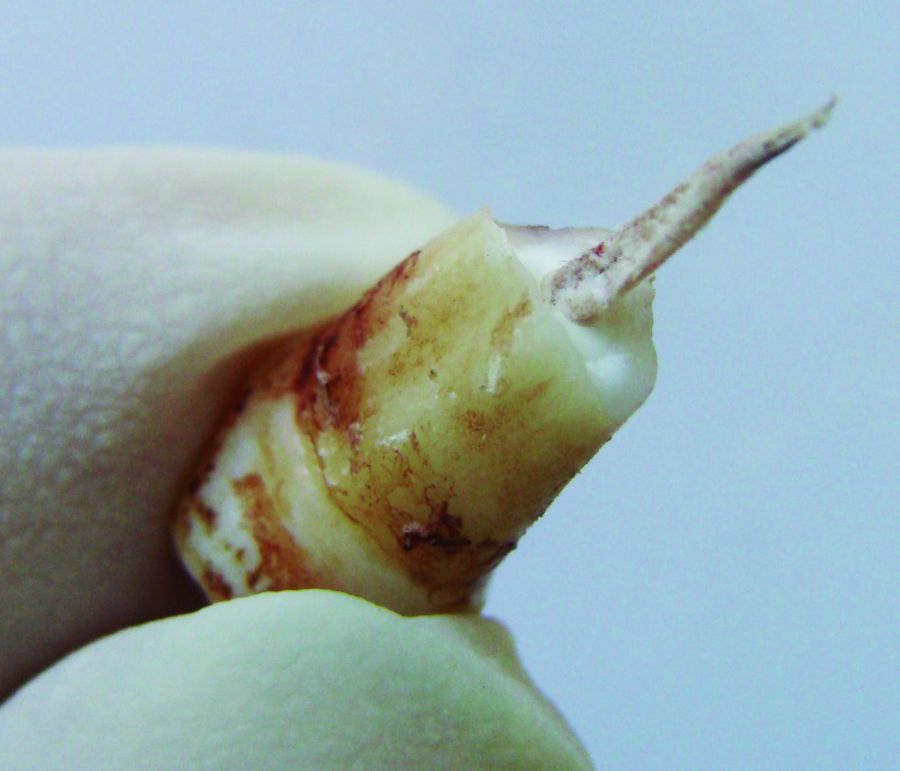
(217, 588)
(501, 335)
(282, 561)
(444, 531)
(330, 385)
(205, 513)
(475, 422)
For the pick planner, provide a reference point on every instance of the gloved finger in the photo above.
(306, 680)
(132, 281)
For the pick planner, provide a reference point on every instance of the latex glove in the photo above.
(307, 680)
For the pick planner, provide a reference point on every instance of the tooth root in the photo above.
(585, 286)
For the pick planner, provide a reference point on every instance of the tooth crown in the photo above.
(430, 425)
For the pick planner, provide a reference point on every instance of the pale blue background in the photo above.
(720, 588)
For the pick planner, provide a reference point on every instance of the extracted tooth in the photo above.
(399, 451)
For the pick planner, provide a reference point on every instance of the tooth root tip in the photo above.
(820, 117)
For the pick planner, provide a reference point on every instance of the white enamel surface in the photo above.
(300, 680)
(130, 279)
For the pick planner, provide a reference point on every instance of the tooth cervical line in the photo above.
(584, 287)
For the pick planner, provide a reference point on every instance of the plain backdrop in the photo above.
(720, 588)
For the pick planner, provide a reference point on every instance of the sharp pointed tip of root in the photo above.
(820, 117)
(646, 241)
(814, 120)
(823, 114)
